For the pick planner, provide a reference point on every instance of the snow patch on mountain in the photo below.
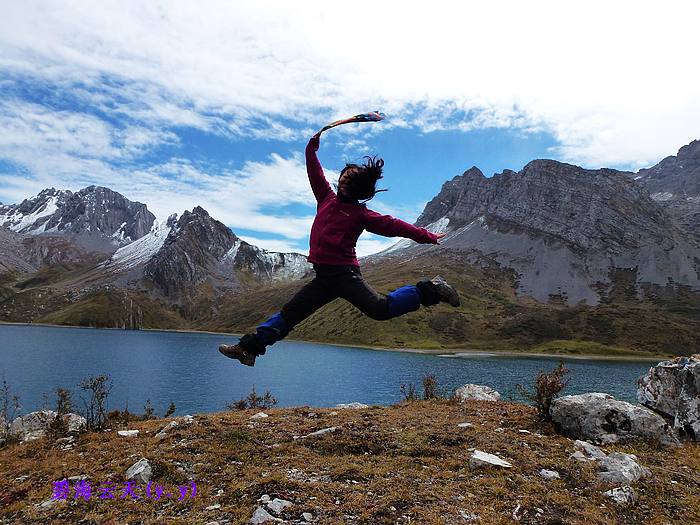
(141, 250)
(17, 221)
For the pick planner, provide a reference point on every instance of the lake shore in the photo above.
(455, 353)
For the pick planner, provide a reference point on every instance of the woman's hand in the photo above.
(315, 141)
(439, 236)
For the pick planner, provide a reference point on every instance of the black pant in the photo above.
(332, 282)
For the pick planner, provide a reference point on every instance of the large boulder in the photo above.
(603, 419)
(672, 388)
(35, 424)
(479, 392)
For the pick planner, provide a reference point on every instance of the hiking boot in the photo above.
(446, 293)
(238, 352)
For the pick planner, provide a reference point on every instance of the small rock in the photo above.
(468, 516)
(278, 505)
(522, 431)
(259, 415)
(317, 433)
(264, 498)
(622, 495)
(481, 459)
(47, 504)
(262, 516)
(355, 405)
(590, 452)
(334, 413)
(82, 477)
(307, 516)
(619, 467)
(478, 392)
(216, 506)
(464, 425)
(20, 479)
(187, 419)
(128, 433)
(549, 474)
(141, 471)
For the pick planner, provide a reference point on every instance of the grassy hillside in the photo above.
(407, 463)
(491, 317)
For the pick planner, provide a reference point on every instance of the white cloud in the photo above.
(614, 81)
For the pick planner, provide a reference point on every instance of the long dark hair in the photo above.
(363, 179)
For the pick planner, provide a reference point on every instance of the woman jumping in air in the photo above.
(340, 219)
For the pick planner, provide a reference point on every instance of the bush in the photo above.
(409, 392)
(547, 388)
(171, 410)
(148, 410)
(429, 389)
(9, 409)
(253, 400)
(57, 427)
(99, 388)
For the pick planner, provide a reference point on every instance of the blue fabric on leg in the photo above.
(272, 330)
(403, 300)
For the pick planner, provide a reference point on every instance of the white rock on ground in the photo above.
(672, 388)
(353, 405)
(549, 475)
(187, 419)
(128, 433)
(317, 433)
(619, 467)
(480, 459)
(307, 516)
(616, 467)
(259, 415)
(622, 495)
(140, 471)
(262, 516)
(465, 425)
(163, 432)
(601, 418)
(278, 505)
(478, 392)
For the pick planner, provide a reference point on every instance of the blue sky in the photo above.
(178, 105)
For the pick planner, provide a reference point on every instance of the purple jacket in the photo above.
(338, 224)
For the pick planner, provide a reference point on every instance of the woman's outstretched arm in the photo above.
(389, 226)
(318, 181)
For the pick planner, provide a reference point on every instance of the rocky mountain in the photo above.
(97, 217)
(567, 232)
(674, 183)
(177, 256)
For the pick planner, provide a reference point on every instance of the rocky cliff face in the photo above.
(565, 230)
(95, 215)
(674, 183)
(199, 248)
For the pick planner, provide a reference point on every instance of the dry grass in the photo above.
(402, 464)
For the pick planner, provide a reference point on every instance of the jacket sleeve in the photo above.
(317, 179)
(389, 226)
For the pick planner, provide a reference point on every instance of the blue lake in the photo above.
(187, 369)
